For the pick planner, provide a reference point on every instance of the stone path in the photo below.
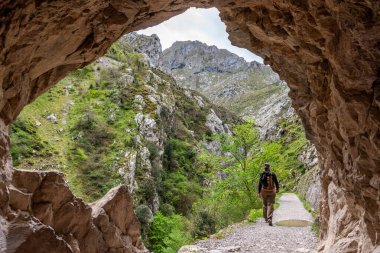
(261, 238)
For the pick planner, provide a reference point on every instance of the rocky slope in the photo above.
(148, 45)
(110, 123)
(249, 89)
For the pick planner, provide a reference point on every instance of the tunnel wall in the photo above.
(327, 51)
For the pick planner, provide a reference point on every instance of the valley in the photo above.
(165, 125)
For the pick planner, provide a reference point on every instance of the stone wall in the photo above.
(309, 186)
(327, 51)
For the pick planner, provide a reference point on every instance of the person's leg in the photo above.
(265, 206)
(270, 207)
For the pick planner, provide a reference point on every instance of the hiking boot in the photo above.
(266, 220)
(270, 222)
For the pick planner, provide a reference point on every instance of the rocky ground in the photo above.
(261, 238)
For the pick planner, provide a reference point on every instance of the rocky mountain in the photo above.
(249, 89)
(114, 122)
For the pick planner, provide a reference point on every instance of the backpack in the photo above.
(266, 179)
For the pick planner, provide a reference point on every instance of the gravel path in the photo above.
(261, 238)
(291, 208)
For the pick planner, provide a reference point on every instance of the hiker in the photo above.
(268, 187)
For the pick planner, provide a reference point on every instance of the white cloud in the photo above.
(198, 24)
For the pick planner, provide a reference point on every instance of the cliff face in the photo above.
(148, 45)
(327, 52)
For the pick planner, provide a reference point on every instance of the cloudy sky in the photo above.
(197, 24)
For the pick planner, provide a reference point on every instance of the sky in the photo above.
(198, 24)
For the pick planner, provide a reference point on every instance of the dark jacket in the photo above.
(274, 178)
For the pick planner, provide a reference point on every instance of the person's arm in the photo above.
(260, 186)
(276, 182)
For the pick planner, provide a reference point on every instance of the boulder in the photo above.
(53, 218)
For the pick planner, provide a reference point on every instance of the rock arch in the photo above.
(327, 51)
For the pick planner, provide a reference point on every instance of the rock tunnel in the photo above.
(328, 52)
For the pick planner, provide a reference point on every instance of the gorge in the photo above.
(326, 51)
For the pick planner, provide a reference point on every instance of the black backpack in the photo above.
(266, 179)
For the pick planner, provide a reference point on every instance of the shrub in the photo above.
(144, 214)
(167, 233)
(167, 209)
(180, 191)
(90, 155)
(254, 215)
(93, 131)
(179, 154)
(116, 52)
(205, 224)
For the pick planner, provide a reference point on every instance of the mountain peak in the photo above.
(148, 45)
(197, 55)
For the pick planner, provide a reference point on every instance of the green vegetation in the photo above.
(26, 142)
(94, 125)
(255, 214)
(168, 233)
(233, 174)
(231, 178)
(91, 127)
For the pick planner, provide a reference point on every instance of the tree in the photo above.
(241, 146)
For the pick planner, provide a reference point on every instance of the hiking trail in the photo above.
(261, 238)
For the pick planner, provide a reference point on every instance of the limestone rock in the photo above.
(53, 218)
(223, 77)
(309, 186)
(148, 45)
(302, 250)
(326, 51)
(214, 123)
(52, 118)
(114, 216)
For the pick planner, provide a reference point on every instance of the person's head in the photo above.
(267, 167)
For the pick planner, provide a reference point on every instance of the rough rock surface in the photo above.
(309, 186)
(327, 51)
(149, 45)
(47, 216)
(227, 79)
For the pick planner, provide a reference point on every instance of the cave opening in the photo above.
(104, 125)
(326, 52)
